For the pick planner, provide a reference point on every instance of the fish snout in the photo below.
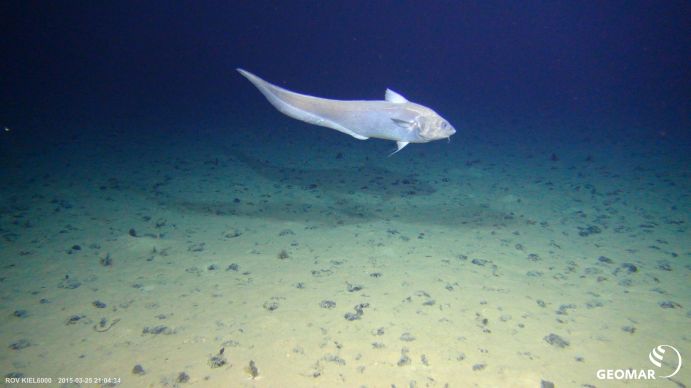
(448, 130)
(440, 130)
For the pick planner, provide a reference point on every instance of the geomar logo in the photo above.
(658, 354)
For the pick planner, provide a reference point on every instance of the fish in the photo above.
(394, 118)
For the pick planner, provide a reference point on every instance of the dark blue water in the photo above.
(490, 67)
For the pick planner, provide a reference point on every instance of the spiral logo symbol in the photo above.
(657, 354)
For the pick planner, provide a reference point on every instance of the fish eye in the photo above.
(443, 125)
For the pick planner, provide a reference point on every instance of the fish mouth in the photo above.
(436, 137)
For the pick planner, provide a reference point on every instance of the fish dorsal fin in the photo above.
(394, 97)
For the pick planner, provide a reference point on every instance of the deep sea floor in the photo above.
(206, 259)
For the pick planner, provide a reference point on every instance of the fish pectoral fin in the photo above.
(400, 145)
(409, 125)
(394, 97)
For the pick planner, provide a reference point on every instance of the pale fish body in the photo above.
(394, 118)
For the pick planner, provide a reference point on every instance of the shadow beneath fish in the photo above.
(335, 196)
